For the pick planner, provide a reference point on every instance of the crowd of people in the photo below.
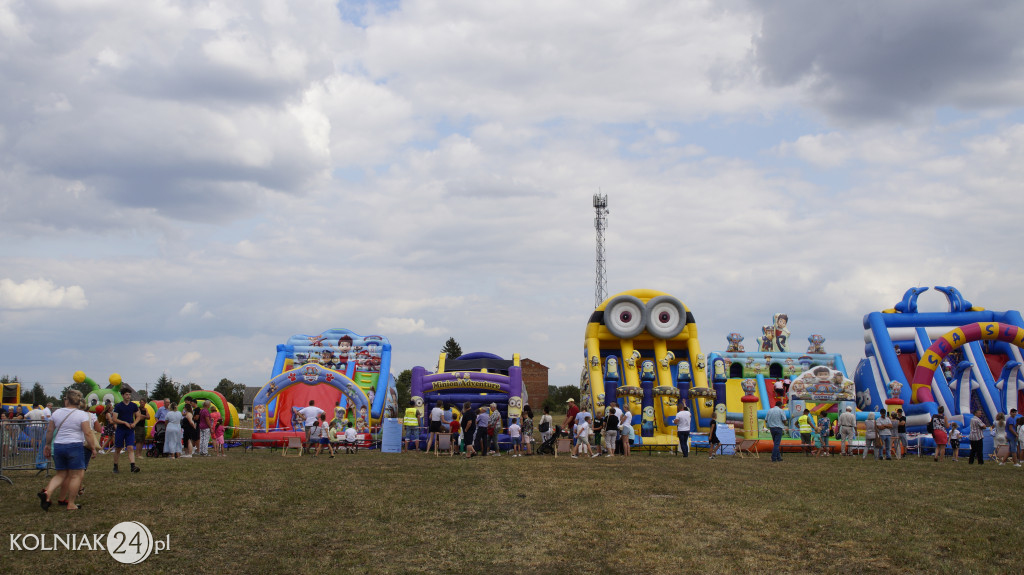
(338, 433)
(476, 431)
(73, 435)
(886, 437)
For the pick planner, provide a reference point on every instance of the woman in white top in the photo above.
(69, 434)
(173, 432)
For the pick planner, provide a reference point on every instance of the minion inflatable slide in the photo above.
(641, 349)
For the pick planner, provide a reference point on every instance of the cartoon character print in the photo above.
(720, 413)
(261, 417)
(817, 343)
(647, 371)
(391, 403)
(780, 320)
(683, 374)
(515, 407)
(611, 368)
(734, 340)
(767, 339)
(647, 421)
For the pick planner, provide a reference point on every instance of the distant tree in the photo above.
(452, 348)
(165, 389)
(37, 395)
(558, 395)
(187, 387)
(233, 392)
(403, 384)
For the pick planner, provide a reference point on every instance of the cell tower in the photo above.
(600, 223)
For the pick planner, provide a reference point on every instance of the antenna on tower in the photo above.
(600, 223)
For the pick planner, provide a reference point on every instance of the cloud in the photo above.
(40, 294)
(859, 62)
(404, 325)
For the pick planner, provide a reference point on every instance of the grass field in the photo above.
(414, 513)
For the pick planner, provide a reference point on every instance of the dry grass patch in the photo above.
(416, 513)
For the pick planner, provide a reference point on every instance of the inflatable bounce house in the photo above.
(100, 400)
(641, 350)
(479, 378)
(344, 373)
(10, 399)
(813, 380)
(965, 359)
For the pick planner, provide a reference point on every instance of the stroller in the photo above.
(548, 447)
(159, 434)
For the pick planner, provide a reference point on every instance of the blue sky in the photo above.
(186, 185)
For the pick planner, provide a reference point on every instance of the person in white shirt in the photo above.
(515, 434)
(436, 421)
(48, 411)
(69, 432)
(351, 444)
(310, 414)
(683, 420)
(582, 437)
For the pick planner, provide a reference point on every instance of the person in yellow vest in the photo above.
(806, 430)
(411, 424)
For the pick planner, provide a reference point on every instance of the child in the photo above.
(454, 427)
(218, 438)
(320, 435)
(515, 432)
(351, 440)
(582, 437)
(954, 441)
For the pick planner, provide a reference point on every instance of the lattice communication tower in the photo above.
(600, 223)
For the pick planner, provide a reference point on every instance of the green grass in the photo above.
(414, 513)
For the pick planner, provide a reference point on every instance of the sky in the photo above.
(186, 184)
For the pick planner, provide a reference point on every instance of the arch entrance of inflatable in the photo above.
(933, 356)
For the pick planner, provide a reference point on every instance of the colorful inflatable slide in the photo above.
(338, 370)
(641, 348)
(965, 359)
(479, 378)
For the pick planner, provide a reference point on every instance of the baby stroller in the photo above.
(548, 447)
(159, 434)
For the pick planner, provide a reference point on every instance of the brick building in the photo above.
(535, 380)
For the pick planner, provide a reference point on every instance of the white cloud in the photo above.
(40, 294)
(405, 325)
(189, 308)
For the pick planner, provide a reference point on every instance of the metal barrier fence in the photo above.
(21, 447)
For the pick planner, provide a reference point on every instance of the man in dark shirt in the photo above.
(126, 416)
(611, 431)
(901, 433)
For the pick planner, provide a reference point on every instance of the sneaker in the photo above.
(574, 457)
(135, 469)
(115, 469)
(1016, 465)
(596, 455)
(609, 455)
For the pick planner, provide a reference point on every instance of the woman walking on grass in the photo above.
(69, 434)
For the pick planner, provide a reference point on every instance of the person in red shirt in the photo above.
(570, 415)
